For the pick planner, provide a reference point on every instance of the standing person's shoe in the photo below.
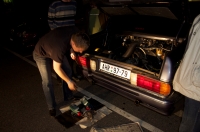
(52, 112)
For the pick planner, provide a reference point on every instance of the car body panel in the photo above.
(144, 39)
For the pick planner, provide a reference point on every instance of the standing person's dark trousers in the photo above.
(191, 116)
(45, 69)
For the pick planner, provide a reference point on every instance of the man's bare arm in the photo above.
(58, 69)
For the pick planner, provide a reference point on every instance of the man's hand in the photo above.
(58, 69)
(72, 86)
(72, 54)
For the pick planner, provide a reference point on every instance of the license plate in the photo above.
(115, 70)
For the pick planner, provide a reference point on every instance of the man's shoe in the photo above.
(52, 112)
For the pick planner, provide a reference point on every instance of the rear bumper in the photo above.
(162, 105)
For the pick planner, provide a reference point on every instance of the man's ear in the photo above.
(72, 42)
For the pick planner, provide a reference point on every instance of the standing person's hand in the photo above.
(72, 85)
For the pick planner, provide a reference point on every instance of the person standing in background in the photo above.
(187, 80)
(62, 13)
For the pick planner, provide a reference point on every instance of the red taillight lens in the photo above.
(148, 83)
(83, 61)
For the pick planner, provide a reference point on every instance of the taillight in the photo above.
(83, 61)
(150, 84)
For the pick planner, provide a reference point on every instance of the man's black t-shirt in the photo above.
(56, 43)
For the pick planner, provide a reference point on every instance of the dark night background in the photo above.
(14, 12)
(17, 11)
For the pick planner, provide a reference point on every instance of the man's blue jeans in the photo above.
(191, 116)
(45, 68)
